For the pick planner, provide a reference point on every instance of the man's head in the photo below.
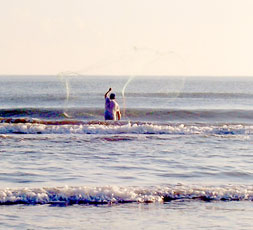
(112, 96)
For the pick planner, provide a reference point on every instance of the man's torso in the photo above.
(111, 108)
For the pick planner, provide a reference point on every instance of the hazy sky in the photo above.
(192, 37)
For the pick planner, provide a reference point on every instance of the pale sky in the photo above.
(166, 37)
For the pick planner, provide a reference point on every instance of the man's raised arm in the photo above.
(108, 92)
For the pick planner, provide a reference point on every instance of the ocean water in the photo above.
(180, 158)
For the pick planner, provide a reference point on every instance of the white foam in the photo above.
(115, 194)
(128, 128)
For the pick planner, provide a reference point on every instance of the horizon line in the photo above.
(113, 75)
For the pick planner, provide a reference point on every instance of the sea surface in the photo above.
(180, 158)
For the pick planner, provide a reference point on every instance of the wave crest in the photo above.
(134, 114)
(115, 194)
(32, 126)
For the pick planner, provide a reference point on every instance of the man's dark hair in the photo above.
(112, 96)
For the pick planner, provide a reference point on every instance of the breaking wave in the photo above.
(134, 114)
(115, 194)
(34, 126)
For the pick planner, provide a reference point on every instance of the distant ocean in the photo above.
(180, 158)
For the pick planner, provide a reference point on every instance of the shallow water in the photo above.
(175, 215)
(124, 159)
(177, 160)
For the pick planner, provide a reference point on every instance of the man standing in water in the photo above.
(112, 111)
